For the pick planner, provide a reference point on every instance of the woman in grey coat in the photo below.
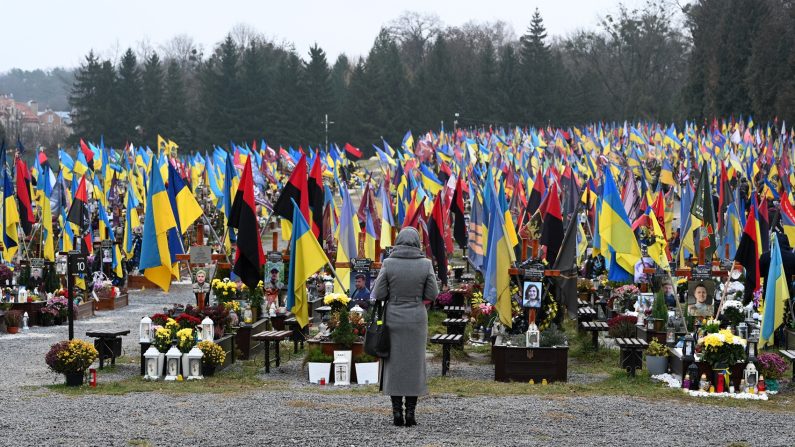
(406, 278)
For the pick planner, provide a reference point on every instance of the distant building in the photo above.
(48, 128)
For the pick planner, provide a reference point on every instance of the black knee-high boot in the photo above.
(411, 405)
(397, 410)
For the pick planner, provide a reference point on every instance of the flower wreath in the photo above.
(549, 309)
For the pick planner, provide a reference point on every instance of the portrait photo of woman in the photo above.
(532, 294)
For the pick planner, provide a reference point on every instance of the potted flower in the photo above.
(366, 369)
(622, 326)
(162, 342)
(444, 299)
(733, 312)
(214, 356)
(71, 358)
(722, 350)
(187, 321)
(624, 297)
(13, 320)
(319, 365)
(771, 366)
(656, 358)
(343, 334)
(659, 312)
(48, 314)
(337, 301)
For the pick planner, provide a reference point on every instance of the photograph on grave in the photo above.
(531, 293)
(700, 295)
(360, 282)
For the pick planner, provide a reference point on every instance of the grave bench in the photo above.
(594, 327)
(108, 345)
(454, 311)
(447, 340)
(455, 325)
(299, 335)
(276, 337)
(585, 314)
(631, 353)
(790, 355)
(582, 303)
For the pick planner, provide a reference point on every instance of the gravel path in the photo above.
(300, 415)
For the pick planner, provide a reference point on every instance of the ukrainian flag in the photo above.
(106, 233)
(306, 258)
(156, 257)
(430, 180)
(132, 220)
(10, 219)
(776, 296)
(499, 259)
(615, 229)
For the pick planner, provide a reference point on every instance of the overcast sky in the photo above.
(52, 33)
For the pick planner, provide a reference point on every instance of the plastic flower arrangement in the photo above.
(627, 295)
(162, 339)
(185, 340)
(722, 347)
(337, 301)
(214, 355)
(71, 356)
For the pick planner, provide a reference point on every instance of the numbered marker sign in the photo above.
(79, 264)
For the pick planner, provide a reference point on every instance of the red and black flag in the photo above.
(249, 257)
(78, 215)
(26, 218)
(536, 194)
(458, 209)
(724, 196)
(88, 153)
(764, 225)
(748, 254)
(316, 199)
(552, 226)
(436, 228)
(295, 189)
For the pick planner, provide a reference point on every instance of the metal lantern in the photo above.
(152, 366)
(689, 348)
(692, 371)
(173, 357)
(696, 328)
(750, 349)
(742, 330)
(357, 310)
(145, 330)
(194, 371)
(61, 263)
(208, 329)
(533, 337)
(751, 375)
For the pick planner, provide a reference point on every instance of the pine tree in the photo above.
(340, 76)
(255, 81)
(128, 96)
(152, 100)
(536, 71)
(83, 99)
(175, 112)
(508, 78)
(220, 94)
(317, 76)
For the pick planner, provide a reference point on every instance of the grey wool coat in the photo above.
(406, 278)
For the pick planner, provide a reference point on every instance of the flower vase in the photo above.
(74, 379)
(185, 365)
(771, 384)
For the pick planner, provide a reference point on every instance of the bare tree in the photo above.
(244, 34)
(182, 49)
(414, 32)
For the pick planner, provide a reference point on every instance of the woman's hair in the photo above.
(534, 287)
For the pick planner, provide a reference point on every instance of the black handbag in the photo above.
(376, 339)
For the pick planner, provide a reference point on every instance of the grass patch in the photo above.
(237, 379)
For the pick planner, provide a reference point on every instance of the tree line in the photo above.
(663, 62)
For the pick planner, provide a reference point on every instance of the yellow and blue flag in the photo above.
(776, 296)
(306, 258)
(157, 260)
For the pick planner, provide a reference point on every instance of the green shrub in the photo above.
(315, 355)
(553, 337)
(659, 310)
